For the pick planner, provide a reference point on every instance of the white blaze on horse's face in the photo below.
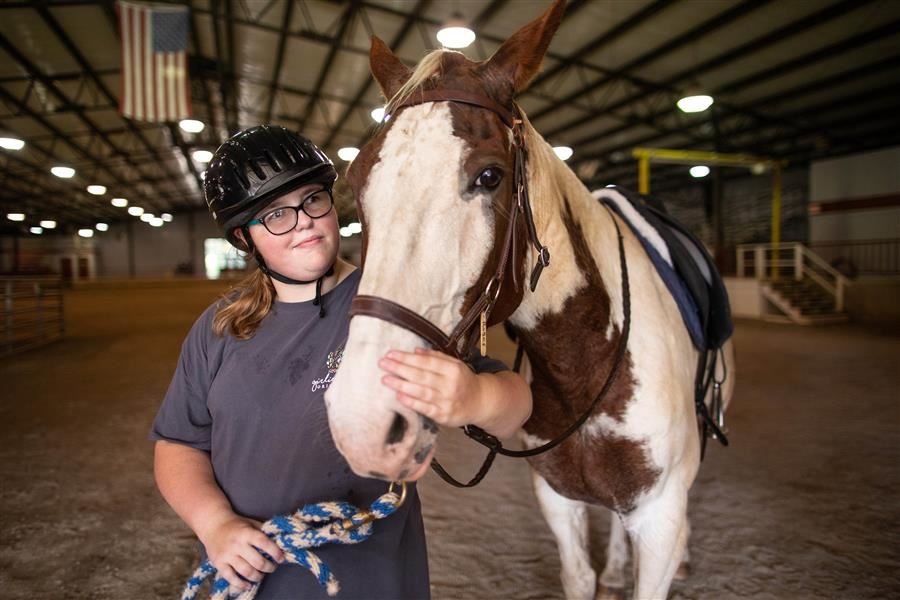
(428, 238)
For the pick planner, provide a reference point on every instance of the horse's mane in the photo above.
(427, 68)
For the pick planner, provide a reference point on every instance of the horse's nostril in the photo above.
(397, 430)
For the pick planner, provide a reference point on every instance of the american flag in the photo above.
(155, 83)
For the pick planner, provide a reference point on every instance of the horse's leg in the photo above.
(612, 580)
(568, 522)
(659, 530)
(684, 567)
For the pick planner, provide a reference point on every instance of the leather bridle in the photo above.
(459, 341)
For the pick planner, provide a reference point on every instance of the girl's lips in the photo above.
(309, 243)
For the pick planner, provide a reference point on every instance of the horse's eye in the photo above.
(489, 178)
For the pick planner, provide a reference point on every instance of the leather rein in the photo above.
(459, 341)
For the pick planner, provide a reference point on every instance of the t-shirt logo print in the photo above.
(331, 363)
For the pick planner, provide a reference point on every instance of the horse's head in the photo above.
(435, 194)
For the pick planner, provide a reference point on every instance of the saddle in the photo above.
(682, 262)
(690, 274)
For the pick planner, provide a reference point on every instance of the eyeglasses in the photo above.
(281, 220)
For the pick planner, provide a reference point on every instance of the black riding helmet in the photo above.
(253, 168)
(256, 166)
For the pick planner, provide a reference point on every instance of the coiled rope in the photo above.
(311, 526)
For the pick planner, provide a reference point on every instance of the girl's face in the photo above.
(308, 250)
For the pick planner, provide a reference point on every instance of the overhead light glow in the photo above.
(135, 211)
(348, 153)
(695, 103)
(203, 176)
(86, 233)
(699, 171)
(119, 202)
(15, 217)
(156, 222)
(166, 217)
(11, 143)
(563, 152)
(191, 125)
(101, 227)
(455, 34)
(63, 172)
(203, 156)
(147, 217)
(97, 190)
(345, 232)
(48, 224)
(36, 230)
(377, 114)
(354, 227)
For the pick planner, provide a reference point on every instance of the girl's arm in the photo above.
(185, 479)
(446, 390)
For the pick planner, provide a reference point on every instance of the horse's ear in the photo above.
(519, 58)
(389, 71)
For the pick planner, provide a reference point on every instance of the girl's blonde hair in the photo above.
(244, 306)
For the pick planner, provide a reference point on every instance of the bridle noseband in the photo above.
(460, 340)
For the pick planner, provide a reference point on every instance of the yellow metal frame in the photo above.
(666, 155)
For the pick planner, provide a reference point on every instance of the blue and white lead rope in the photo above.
(312, 526)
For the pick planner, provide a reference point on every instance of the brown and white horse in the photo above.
(435, 193)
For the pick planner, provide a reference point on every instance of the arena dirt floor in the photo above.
(804, 504)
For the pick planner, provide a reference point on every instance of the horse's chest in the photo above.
(598, 468)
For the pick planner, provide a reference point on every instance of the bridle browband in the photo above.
(459, 341)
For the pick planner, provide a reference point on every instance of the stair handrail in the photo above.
(766, 254)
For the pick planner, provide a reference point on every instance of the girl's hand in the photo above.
(434, 385)
(231, 546)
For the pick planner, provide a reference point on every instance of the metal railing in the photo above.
(864, 257)
(794, 260)
(32, 312)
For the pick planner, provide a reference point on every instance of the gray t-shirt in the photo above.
(257, 407)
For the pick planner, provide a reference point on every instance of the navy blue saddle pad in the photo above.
(681, 261)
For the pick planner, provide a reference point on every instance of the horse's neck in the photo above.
(584, 261)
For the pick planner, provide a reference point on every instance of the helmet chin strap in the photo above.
(284, 278)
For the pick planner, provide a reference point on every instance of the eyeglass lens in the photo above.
(281, 220)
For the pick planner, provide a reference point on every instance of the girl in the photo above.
(242, 433)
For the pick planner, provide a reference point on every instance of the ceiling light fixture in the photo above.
(348, 153)
(48, 224)
(699, 171)
(101, 227)
(63, 172)
(86, 233)
(15, 217)
(166, 217)
(378, 114)
(694, 100)
(36, 230)
(203, 156)
(119, 202)
(11, 143)
(97, 190)
(135, 211)
(191, 125)
(563, 152)
(455, 33)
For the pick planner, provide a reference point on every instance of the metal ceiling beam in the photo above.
(762, 41)
(722, 19)
(66, 41)
(408, 24)
(279, 57)
(608, 37)
(198, 52)
(96, 162)
(346, 20)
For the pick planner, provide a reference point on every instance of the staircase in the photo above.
(805, 288)
(803, 301)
